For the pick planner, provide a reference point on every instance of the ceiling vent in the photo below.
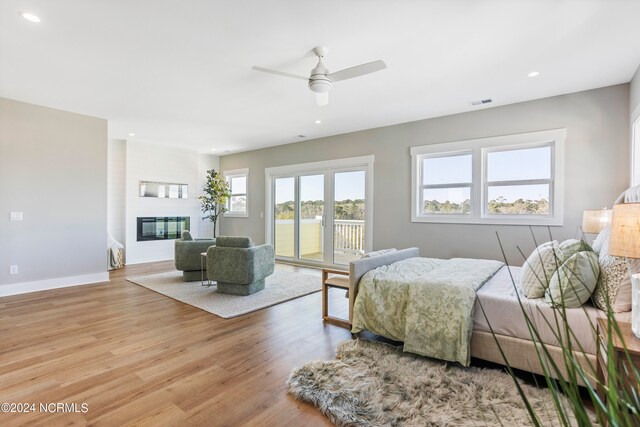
(482, 101)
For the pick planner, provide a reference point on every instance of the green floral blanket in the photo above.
(427, 303)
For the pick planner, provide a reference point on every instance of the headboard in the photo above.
(631, 195)
(359, 267)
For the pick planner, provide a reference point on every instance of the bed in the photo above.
(497, 296)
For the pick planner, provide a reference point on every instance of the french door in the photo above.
(320, 216)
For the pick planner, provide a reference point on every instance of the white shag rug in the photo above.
(281, 286)
(374, 384)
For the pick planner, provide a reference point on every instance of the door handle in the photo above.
(323, 220)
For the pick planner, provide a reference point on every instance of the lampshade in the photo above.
(625, 231)
(594, 220)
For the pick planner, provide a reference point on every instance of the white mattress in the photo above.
(503, 312)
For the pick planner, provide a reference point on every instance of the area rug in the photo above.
(375, 384)
(281, 286)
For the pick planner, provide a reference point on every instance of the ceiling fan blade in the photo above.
(358, 70)
(322, 98)
(279, 73)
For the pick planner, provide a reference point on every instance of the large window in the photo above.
(514, 179)
(238, 180)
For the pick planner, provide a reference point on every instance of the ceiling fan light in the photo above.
(320, 85)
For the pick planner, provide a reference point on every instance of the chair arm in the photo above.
(187, 253)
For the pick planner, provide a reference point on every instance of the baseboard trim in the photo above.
(60, 282)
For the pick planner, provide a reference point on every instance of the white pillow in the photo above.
(378, 253)
(538, 269)
(600, 239)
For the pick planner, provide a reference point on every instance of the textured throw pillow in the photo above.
(537, 270)
(570, 247)
(614, 283)
(378, 253)
(186, 235)
(573, 283)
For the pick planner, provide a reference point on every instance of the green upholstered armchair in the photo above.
(239, 267)
(188, 252)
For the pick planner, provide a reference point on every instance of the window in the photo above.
(446, 184)
(635, 153)
(238, 203)
(514, 179)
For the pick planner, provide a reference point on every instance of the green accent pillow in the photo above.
(573, 283)
(570, 247)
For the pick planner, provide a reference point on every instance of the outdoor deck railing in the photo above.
(348, 236)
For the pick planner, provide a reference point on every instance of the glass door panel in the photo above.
(284, 217)
(349, 216)
(311, 222)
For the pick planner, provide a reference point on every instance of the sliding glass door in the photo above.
(312, 219)
(349, 216)
(284, 214)
(319, 216)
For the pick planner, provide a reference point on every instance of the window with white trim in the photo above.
(513, 179)
(238, 203)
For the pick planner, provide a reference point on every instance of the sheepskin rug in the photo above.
(375, 384)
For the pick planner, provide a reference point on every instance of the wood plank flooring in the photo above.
(136, 357)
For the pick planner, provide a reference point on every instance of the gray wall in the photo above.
(597, 170)
(53, 168)
(635, 96)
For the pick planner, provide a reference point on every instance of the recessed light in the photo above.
(29, 16)
(213, 149)
(318, 122)
(132, 134)
(534, 74)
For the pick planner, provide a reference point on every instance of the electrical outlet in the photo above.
(13, 269)
(15, 216)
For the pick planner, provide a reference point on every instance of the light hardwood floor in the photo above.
(138, 357)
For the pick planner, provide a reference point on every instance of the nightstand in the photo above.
(339, 279)
(620, 358)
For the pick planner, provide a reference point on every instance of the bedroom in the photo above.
(180, 79)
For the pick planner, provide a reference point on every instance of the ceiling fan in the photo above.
(320, 81)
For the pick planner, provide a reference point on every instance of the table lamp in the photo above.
(594, 220)
(625, 242)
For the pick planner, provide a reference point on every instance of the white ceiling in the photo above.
(179, 72)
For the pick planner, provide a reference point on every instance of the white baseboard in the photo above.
(60, 282)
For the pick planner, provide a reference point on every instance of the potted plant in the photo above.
(214, 200)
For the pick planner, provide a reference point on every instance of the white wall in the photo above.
(116, 175)
(53, 169)
(634, 108)
(151, 162)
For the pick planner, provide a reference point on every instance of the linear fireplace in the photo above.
(162, 228)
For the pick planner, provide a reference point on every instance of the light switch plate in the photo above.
(15, 216)
(13, 269)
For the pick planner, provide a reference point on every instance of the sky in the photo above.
(348, 185)
(532, 163)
